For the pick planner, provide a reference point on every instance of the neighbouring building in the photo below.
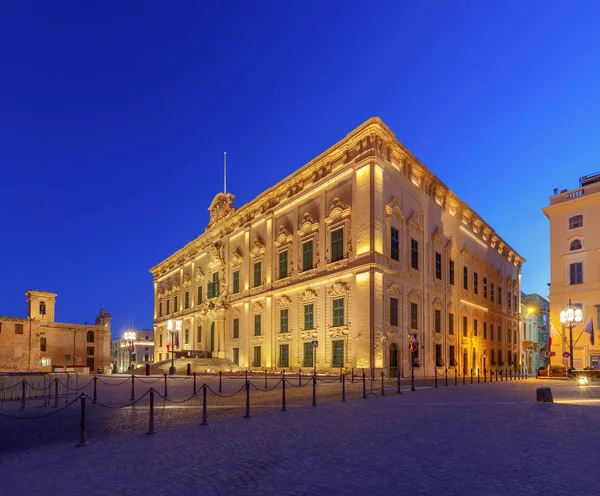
(127, 355)
(536, 331)
(338, 263)
(575, 269)
(37, 343)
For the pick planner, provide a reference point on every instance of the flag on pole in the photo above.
(589, 328)
(177, 339)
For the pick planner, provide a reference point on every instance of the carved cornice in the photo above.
(308, 225)
(284, 237)
(284, 301)
(258, 248)
(338, 289)
(308, 296)
(337, 212)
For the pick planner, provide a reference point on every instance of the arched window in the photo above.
(42, 308)
(576, 221)
(575, 245)
(90, 336)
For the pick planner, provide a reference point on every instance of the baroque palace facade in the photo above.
(337, 264)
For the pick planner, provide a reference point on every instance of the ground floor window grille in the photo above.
(338, 353)
(307, 360)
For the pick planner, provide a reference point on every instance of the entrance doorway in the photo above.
(393, 360)
(90, 364)
(212, 337)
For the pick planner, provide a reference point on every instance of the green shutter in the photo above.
(307, 359)
(338, 311)
(283, 264)
(283, 320)
(257, 325)
(338, 353)
(257, 357)
(236, 328)
(236, 356)
(284, 360)
(309, 316)
(307, 255)
(257, 273)
(236, 282)
(337, 244)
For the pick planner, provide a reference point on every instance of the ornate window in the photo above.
(257, 325)
(576, 221)
(236, 281)
(475, 283)
(308, 355)
(283, 243)
(394, 244)
(452, 355)
(257, 281)
(438, 265)
(309, 240)
(485, 287)
(451, 270)
(451, 324)
(439, 359)
(491, 332)
(160, 308)
(414, 254)
(485, 330)
(475, 327)
(309, 316)
(465, 278)
(338, 232)
(236, 328)
(186, 336)
(283, 264)
(198, 335)
(186, 300)
(236, 356)
(437, 320)
(414, 315)
(575, 245)
(213, 286)
(500, 295)
(337, 352)
(393, 311)
(283, 320)
(465, 326)
(492, 292)
(256, 362)
(199, 299)
(168, 306)
(338, 311)
(284, 355)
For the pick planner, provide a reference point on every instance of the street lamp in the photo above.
(172, 333)
(571, 316)
(129, 337)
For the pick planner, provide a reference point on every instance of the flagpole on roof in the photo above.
(224, 172)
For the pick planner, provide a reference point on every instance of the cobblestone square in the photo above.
(456, 440)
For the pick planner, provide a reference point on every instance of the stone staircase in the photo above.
(199, 365)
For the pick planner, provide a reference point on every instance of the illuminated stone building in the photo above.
(536, 331)
(37, 343)
(353, 252)
(575, 268)
(127, 355)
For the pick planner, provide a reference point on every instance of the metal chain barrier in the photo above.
(118, 407)
(37, 417)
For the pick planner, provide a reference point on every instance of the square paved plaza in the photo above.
(464, 440)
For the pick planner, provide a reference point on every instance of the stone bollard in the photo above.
(147, 369)
(189, 369)
(544, 395)
(204, 412)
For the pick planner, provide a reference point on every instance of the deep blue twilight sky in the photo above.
(114, 119)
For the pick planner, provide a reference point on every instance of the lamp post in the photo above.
(129, 337)
(484, 356)
(571, 316)
(172, 333)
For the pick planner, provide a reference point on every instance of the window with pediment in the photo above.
(394, 220)
(575, 245)
(283, 244)
(308, 235)
(257, 254)
(338, 232)
(338, 303)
